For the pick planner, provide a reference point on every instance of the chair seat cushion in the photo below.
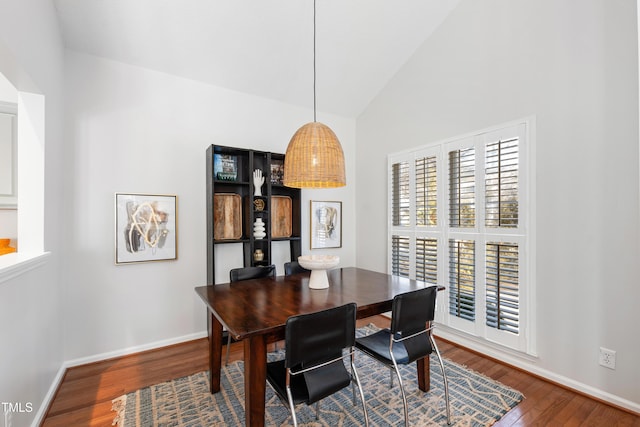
(325, 381)
(310, 386)
(376, 345)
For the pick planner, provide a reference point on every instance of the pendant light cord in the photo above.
(314, 60)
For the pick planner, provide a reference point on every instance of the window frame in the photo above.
(10, 200)
(523, 234)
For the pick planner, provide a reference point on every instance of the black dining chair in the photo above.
(247, 273)
(313, 367)
(410, 338)
(294, 267)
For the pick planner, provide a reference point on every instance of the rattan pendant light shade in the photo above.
(314, 158)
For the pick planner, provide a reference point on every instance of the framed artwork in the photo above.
(326, 224)
(225, 167)
(146, 228)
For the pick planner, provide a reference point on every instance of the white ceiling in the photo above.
(261, 47)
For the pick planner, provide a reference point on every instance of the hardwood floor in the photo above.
(85, 394)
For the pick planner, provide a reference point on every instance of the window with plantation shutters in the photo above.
(501, 183)
(401, 255)
(503, 289)
(462, 193)
(401, 207)
(458, 218)
(426, 191)
(427, 260)
(462, 279)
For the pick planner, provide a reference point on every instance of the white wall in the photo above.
(31, 352)
(574, 65)
(134, 130)
(9, 225)
(8, 92)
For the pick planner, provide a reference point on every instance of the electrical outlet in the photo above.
(607, 358)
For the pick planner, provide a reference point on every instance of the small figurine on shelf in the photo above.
(258, 255)
(258, 180)
(258, 204)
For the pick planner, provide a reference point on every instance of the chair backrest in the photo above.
(314, 338)
(246, 273)
(410, 313)
(294, 267)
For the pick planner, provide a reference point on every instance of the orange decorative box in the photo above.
(5, 248)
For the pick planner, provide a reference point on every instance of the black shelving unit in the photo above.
(230, 190)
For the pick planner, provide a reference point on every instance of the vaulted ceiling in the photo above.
(261, 47)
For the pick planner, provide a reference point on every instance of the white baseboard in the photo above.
(39, 416)
(134, 349)
(527, 363)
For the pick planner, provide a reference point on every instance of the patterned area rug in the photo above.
(476, 400)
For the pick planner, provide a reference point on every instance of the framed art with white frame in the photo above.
(326, 224)
(146, 228)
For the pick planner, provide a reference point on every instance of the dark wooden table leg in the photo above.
(424, 378)
(215, 353)
(255, 377)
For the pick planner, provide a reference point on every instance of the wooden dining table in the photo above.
(255, 311)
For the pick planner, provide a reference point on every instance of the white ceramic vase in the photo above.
(259, 229)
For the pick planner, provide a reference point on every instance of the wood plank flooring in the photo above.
(85, 394)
